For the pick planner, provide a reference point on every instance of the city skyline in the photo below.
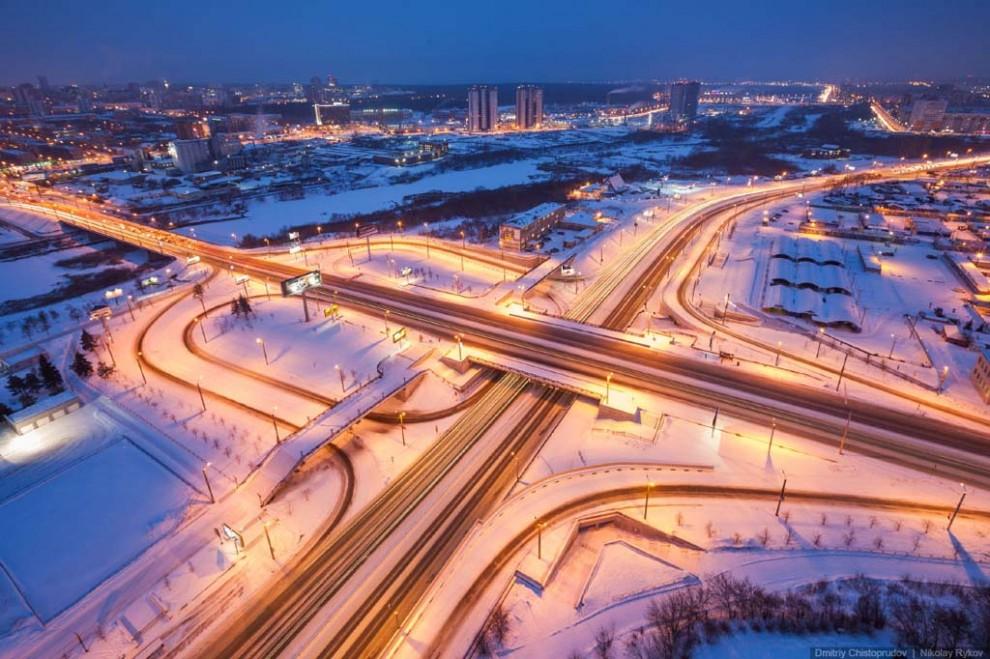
(398, 43)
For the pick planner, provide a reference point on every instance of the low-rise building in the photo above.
(524, 229)
(43, 412)
(981, 375)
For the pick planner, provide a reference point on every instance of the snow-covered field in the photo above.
(270, 216)
(69, 532)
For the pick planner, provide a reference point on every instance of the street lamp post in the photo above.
(460, 347)
(463, 247)
(402, 426)
(842, 371)
(386, 322)
(845, 434)
(144, 380)
(646, 504)
(608, 387)
(773, 430)
(893, 342)
(199, 388)
(955, 512)
(268, 538)
(539, 540)
(779, 345)
(426, 225)
(780, 499)
(278, 438)
(264, 350)
(206, 478)
(130, 309)
(821, 334)
(340, 372)
(113, 361)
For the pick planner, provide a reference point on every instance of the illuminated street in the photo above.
(666, 368)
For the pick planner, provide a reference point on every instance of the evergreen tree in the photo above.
(5, 409)
(87, 341)
(104, 370)
(235, 307)
(15, 385)
(32, 383)
(244, 304)
(50, 376)
(198, 290)
(26, 399)
(81, 366)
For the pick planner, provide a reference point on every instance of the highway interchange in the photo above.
(349, 593)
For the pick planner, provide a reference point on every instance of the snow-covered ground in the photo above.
(70, 531)
(271, 216)
(915, 279)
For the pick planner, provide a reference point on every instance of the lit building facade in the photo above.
(684, 100)
(482, 109)
(529, 107)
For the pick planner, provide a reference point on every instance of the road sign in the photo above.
(331, 311)
(367, 230)
(398, 335)
(102, 311)
(230, 534)
(302, 283)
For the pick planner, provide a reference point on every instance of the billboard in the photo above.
(302, 283)
(367, 230)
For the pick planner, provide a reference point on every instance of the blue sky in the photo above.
(490, 41)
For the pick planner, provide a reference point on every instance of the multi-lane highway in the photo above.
(356, 568)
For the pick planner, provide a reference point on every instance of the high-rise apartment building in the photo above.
(684, 100)
(529, 107)
(482, 109)
(927, 114)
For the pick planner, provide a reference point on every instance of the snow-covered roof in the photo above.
(806, 249)
(806, 274)
(526, 218)
(43, 406)
(823, 308)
